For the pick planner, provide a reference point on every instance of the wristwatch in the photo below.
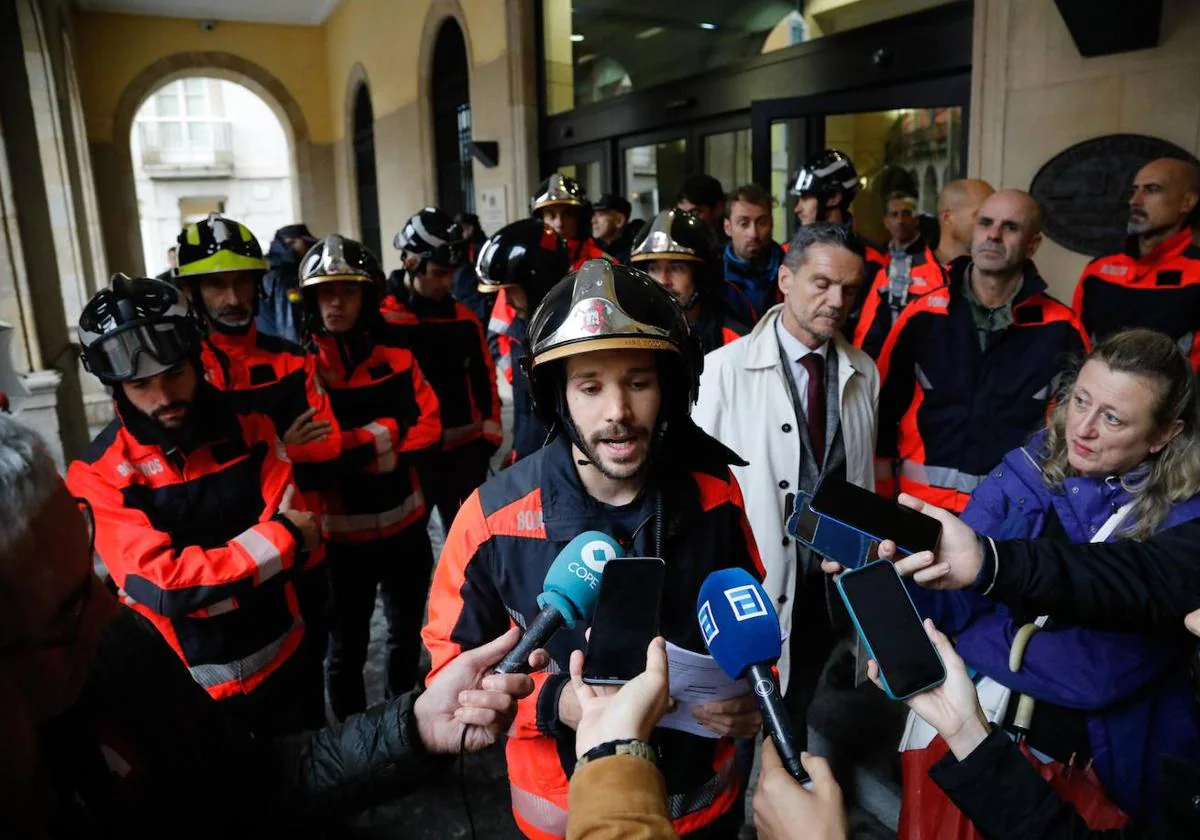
(625, 746)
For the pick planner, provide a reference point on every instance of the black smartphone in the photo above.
(891, 629)
(829, 537)
(876, 517)
(625, 620)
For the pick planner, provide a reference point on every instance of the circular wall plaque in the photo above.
(1084, 189)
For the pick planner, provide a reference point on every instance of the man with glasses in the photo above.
(198, 519)
(104, 734)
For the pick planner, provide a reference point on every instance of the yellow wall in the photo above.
(111, 49)
(385, 37)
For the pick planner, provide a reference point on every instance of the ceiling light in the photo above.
(576, 37)
(708, 26)
(649, 33)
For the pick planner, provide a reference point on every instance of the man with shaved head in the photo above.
(968, 369)
(958, 207)
(1154, 281)
(916, 270)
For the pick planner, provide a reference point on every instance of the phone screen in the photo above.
(828, 537)
(879, 518)
(625, 620)
(891, 628)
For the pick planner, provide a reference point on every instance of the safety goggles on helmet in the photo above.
(136, 329)
(217, 245)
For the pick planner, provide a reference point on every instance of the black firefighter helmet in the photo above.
(603, 306)
(528, 254)
(336, 259)
(681, 236)
(825, 175)
(432, 235)
(136, 328)
(560, 191)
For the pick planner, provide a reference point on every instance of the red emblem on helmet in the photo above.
(593, 317)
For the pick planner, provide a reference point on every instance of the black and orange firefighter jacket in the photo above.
(948, 411)
(491, 571)
(389, 420)
(269, 375)
(194, 539)
(451, 350)
(1160, 291)
(885, 299)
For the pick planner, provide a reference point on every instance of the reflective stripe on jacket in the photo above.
(1159, 291)
(499, 548)
(389, 421)
(269, 375)
(878, 312)
(194, 539)
(949, 411)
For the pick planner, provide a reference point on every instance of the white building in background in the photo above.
(203, 144)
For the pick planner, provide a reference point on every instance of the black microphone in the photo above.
(741, 630)
(568, 595)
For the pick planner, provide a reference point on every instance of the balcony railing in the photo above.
(186, 147)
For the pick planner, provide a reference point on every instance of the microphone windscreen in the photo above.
(738, 621)
(573, 579)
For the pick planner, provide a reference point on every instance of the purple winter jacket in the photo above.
(1133, 688)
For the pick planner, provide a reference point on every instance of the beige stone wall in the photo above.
(390, 47)
(1033, 95)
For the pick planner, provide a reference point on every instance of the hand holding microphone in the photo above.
(741, 629)
(568, 596)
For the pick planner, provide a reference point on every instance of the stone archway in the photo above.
(114, 165)
(435, 17)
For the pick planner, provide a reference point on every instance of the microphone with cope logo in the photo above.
(741, 629)
(568, 595)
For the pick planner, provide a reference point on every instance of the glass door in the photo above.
(910, 139)
(588, 165)
(652, 171)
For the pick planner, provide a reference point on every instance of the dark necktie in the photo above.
(815, 365)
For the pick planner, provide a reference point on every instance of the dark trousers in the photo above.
(400, 566)
(812, 640)
(292, 699)
(452, 477)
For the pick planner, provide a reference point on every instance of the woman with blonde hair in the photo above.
(1119, 459)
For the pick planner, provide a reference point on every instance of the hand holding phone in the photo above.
(875, 517)
(625, 620)
(891, 629)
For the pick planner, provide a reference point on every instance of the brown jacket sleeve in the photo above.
(621, 797)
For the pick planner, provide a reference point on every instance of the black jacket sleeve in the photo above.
(1124, 585)
(1000, 792)
(369, 759)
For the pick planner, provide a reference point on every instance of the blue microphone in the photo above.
(741, 629)
(569, 594)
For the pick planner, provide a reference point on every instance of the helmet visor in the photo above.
(139, 350)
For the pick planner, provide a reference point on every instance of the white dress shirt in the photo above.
(795, 350)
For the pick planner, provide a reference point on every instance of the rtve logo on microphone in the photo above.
(746, 602)
(708, 624)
